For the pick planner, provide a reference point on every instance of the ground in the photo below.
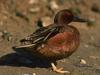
(18, 18)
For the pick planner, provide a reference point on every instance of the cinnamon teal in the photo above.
(56, 41)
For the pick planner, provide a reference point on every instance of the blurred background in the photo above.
(19, 18)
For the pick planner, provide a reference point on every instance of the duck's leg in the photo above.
(58, 70)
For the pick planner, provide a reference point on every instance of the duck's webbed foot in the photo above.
(58, 70)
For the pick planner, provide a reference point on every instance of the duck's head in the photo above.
(66, 16)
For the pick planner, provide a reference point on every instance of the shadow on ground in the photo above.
(21, 58)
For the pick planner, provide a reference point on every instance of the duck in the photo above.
(57, 41)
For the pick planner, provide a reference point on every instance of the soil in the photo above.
(18, 18)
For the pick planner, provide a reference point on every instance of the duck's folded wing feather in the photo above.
(41, 35)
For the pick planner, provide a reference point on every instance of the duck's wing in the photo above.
(30, 38)
(41, 35)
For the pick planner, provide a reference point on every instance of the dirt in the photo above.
(18, 18)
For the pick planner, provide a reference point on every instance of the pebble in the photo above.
(22, 15)
(54, 5)
(91, 22)
(34, 74)
(86, 45)
(46, 21)
(7, 35)
(33, 1)
(82, 61)
(39, 23)
(34, 10)
(94, 57)
(95, 8)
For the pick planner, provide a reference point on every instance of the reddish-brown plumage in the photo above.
(61, 45)
(58, 40)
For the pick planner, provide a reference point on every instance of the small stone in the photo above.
(34, 10)
(5, 31)
(22, 15)
(46, 21)
(33, 1)
(94, 57)
(34, 74)
(82, 61)
(9, 38)
(91, 22)
(54, 5)
(39, 23)
(86, 45)
(7, 35)
(95, 8)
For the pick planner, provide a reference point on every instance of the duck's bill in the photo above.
(79, 19)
